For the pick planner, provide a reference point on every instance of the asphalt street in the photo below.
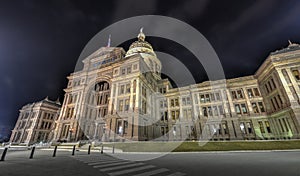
(285, 163)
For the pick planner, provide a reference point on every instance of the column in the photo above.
(110, 107)
(250, 109)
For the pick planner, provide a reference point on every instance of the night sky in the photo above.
(40, 41)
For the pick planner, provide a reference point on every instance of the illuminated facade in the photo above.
(120, 96)
(36, 122)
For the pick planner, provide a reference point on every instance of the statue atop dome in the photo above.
(141, 35)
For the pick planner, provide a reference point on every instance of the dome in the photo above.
(141, 46)
(145, 50)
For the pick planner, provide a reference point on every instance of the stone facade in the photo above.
(120, 96)
(36, 122)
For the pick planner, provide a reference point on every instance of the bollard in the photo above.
(113, 149)
(73, 152)
(4, 154)
(89, 150)
(102, 149)
(32, 153)
(54, 152)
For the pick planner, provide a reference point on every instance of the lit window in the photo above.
(268, 126)
(250, 93)
(296, 74)
(244, 108)
(255, 108)
(242, 127)
(261, 127)
(261, 107)
(237, 109)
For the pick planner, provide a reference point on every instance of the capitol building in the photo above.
(120, 96)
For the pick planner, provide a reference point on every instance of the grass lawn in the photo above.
(209, 146)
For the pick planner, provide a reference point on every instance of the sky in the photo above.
(40, 41)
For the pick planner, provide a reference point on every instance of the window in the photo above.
(134, 66)
(250, 93)
(233, 93)
(125, 127)
(280, 100)
(274, 107)
(70, 112)
(268, 126)
(209, 111)
(218, 98)
(256, 92)
(261, 107)
(116, 71)
(261, 126)
(202, 99)
(122, 89)
(144, 91)
(249, 127)
(127, 88)
(244, 108)
(144, 107)
(188, 100)
(273, 83)
(240, 94)
(128, 70)
(221, 110)
(207, 99)
(176, 102)
(119, 127)
(242, 127)
(225, 128)
(285, 125)
(255, 108)
(177, 114)
(296, 74)
(173, 115)
(189, 114)
(172, 103)
(204, 110)
(126, 104)
(215, 111)
(183, 101)
(267, 89)
(123, 71)
(237, 109)
(121, 105)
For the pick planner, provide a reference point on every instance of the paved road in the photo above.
(222, 163)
